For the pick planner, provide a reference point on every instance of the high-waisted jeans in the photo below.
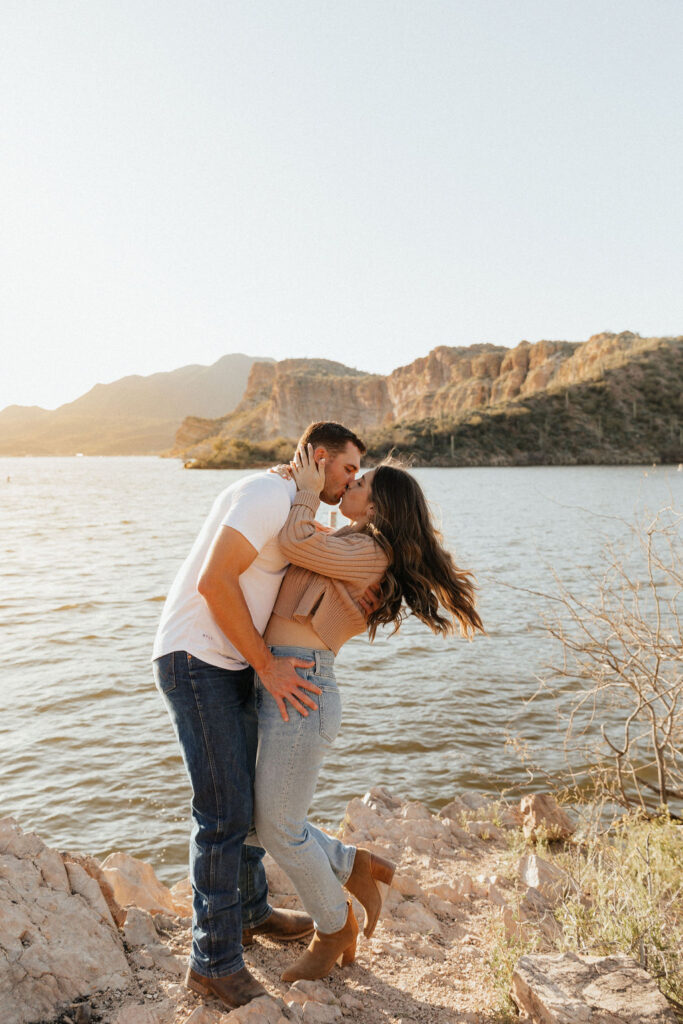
(287, 766)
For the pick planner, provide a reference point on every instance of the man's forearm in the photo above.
(231, 613)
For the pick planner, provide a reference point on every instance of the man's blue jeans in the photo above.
(214, 716)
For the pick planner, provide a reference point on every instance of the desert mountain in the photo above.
(613, 398)
(132, 416)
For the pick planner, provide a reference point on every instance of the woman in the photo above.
(391, 542)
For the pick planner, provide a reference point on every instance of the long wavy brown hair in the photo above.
(422, 574)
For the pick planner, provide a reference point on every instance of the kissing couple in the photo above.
(244, 660)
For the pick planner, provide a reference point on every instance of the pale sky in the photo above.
(355, 179)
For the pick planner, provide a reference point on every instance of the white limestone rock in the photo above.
(181, 893)
(420, 844)
(139, 929)
(318, 1013)
(351, 1002)
(407, 885)
(458, 835)
(57, 940)
(264, 1010)
(446, 893)
(204, 1015)
(418, 918)
(381, 801)
(93, 869)
(414, 810)
(135, 884)
(316, 991)
(565, 988)
(540, 874)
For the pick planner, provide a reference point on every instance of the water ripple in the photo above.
(89, 757)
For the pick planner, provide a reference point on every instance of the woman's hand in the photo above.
(307, 474)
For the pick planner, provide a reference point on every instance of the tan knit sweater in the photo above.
(329, 572)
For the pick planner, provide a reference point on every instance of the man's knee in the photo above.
(215, 828)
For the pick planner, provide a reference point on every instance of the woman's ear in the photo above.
(370, 511)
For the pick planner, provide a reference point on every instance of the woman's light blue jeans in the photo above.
(287, 766)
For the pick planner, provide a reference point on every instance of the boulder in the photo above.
(351, 1002)
(181, 893)
(542, 817)
(319, 1013)
(204, 1015)
(304, 990)
(362, 823)
(418, 918)
(459, 835)
(139, 929)
(381, 800)
(264, 1010)
(58, 942)
(93, 868)
(566, 988)
(415, 811)
(135, 884)
(540, 874)
(407, 885)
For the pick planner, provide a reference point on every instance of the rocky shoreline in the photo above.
(83, 942)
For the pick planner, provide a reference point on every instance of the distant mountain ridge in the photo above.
(614, 398)
(135, 415)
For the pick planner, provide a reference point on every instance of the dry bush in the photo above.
(621, 661)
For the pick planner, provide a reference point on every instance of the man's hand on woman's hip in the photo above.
(284, 684)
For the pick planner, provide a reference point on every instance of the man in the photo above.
(206, 650)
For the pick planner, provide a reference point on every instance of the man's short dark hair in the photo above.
(330, 435)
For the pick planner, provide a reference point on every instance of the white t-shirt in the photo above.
(257, 506)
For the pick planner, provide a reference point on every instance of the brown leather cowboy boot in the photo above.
(233, 989)
(368, 870)
(281, 926)
(325, 950)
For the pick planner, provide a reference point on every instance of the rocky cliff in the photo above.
(448, 389)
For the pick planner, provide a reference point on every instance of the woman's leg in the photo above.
(288, 763)
(340, 855)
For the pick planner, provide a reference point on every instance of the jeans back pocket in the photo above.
(164, 673)
(329, 702)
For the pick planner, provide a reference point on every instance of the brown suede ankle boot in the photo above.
(368, 870)
(324, 951)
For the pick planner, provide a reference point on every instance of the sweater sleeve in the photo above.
(353, 557)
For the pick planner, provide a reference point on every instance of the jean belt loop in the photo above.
(317, 663)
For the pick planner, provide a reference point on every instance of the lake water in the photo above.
(89, 548)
